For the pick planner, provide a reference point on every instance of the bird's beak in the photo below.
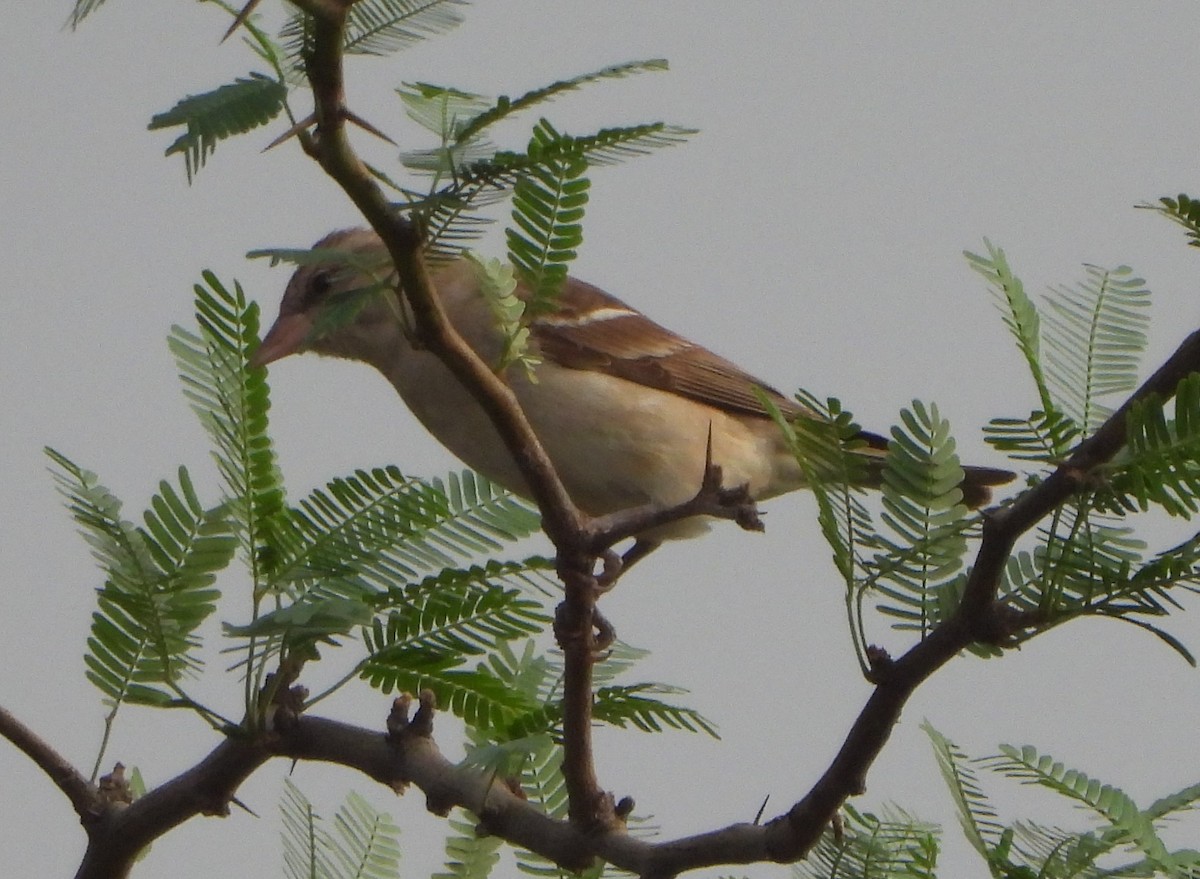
(285, 337)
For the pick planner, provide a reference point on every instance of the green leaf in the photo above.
(376, 27)
(231, 400)
(158, 585)
(469, 854)
(382, 27)
(450, 215)
(211, 117)
(363, 843)
(1027, 765)
(893, 845)
(1020, 314)
(1183, 210)
(547, 213)
(1043, 436)
(82, 9)
(442, 110)
(1094, 334)
(475, 696)
(634, 705)
(376, 530)
(922, 508)
(457, 613)
(1159, 464)
(976, 814)
(505, 107)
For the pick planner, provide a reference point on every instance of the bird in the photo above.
(628, 411)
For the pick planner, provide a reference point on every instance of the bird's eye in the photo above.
(318, 286)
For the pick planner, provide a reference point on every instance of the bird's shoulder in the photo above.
(594, 330)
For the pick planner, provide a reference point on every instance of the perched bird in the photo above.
(623, 406)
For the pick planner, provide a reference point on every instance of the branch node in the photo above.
(439, 804)
(286, 706)
(624, 808)
(114, 789)
(397, 719)
(879, 664)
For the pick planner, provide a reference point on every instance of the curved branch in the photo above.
(83, 795)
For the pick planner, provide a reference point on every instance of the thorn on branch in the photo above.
(714, 499)
(240, 18)
(303, 125)
(243, 807)
(366, 126)
(758, 815)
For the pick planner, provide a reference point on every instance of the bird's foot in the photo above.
(613, 565)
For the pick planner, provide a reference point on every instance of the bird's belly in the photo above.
(614, 444)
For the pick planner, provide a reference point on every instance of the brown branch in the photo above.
(83, 795)
(562, 521)
(578, 540)
(116, 836)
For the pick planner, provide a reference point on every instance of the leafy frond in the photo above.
(82, 9)
(1020, 314)
(442, 110)
(375, 27)
(1043, 436)
(1181, 800)
(923, 510)
(469, 854)
(547, 213)
(158, 582)
(229, 110)
(505, 107)
(1159, 464)
(1184, 210)
(363, 844)
(449, 216)
(543, 783)
(497, 283)
(301, 854)
(980, 823)
(634, 705)
(456, 612)
(1113, 805)
(826, 450)
(1053, 851)
(1094, 334)
(231, 401)
(374, 530)
(869, 846)
(476, 696)
(381, 27)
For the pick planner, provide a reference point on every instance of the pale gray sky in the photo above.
(849, 152)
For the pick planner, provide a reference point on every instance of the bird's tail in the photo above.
(977, 482)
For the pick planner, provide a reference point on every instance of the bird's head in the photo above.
(342, 306)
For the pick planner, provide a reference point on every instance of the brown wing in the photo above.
(591, 330)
